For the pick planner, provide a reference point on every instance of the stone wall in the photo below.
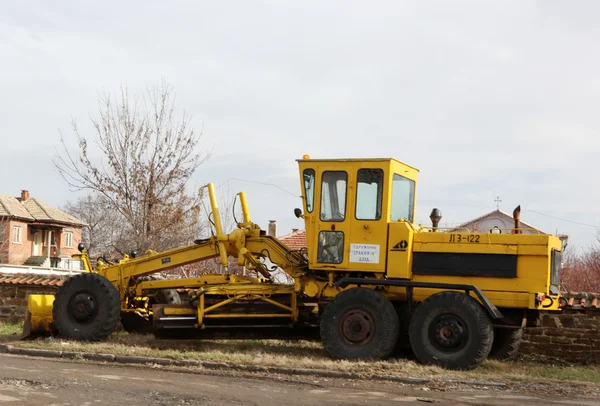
(569, 336)
(13, 300)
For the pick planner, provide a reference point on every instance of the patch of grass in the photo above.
(304, 354)
(9, 330)
(521, 370)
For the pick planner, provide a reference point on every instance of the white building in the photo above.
(500, 222)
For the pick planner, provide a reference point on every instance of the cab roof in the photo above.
(357, 160)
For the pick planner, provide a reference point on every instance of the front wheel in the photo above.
(86, 307)
(452, 330)
(359, 324)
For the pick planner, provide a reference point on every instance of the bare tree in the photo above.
(104, 232)
(139, 156)
(581, 271)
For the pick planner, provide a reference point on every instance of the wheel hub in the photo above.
(357, 327)
(83, 307)
(448, 333)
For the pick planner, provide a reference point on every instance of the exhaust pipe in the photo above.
(435, 217)
(517, 218)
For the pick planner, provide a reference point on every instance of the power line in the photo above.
(263, 183)
(558, 218)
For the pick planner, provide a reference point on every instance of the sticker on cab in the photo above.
(364, 253)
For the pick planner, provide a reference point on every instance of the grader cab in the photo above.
(369, 282)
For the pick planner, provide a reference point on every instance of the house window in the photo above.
(17, 235)
(69, 239)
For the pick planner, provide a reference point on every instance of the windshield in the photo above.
(403, 198)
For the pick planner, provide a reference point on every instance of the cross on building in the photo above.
(497, 200)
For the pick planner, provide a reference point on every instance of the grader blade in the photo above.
(38, 319)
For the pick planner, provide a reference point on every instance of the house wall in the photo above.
(18, 253)
(64, 251)
(4, 233)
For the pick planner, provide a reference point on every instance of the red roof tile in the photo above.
(580, 300)
(296, 240)
(32, 279)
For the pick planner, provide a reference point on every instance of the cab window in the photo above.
(369, 191)
(333, 195)
(403, 197)
(309, 188)
(331, 247)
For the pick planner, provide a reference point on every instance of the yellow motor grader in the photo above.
(370, 280)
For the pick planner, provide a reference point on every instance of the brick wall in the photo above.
(569, 336)
(13, 300)
(60, 241)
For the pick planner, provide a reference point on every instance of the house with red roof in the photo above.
(36, 234)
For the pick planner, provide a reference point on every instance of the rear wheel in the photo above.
(359, 324)
(135, 323)
(452, 330)
(86, 308)
(507, 342)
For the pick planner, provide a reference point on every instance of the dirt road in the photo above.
(27, 381)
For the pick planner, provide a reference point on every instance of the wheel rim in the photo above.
(357, 327)
(82, 308)
(449, 333)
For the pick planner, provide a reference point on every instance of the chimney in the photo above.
(272, 228)
(24, 195)
(295, 230)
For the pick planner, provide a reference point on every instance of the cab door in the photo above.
(368, 232)
(332, 222)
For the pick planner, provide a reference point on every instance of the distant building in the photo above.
(36, 234)
(296, 240)
(499, 222)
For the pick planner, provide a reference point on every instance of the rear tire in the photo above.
(134, 323)
(507, 342)
(86, 308)
(359, 324)
(452, 330)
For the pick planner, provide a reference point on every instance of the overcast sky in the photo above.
(486, 98)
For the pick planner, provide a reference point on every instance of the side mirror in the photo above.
(81, 247)
(297, 212)
(133, 254)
